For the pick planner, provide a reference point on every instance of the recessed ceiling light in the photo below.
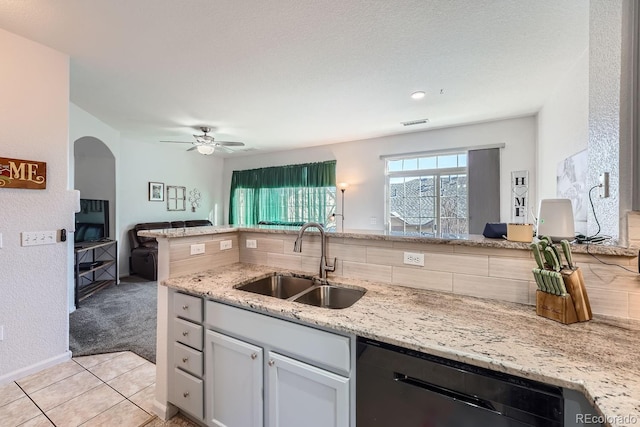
(417, 95)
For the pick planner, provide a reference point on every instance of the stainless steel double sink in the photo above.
(305, 290)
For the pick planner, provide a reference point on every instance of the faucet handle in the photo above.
(331, 267)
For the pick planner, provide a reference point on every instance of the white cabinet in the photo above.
(303, 395)
(304, 372)
(233, 382)
(186, 389)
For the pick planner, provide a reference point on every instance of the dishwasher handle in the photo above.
(452, 394)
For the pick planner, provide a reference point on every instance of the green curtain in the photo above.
(292, 193)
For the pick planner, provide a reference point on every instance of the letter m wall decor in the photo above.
(16, 173)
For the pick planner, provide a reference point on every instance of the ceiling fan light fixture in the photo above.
(206, 149)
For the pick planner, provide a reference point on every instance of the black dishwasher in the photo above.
(399, 387)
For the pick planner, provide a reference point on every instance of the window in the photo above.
(428, 194)
(283, 195)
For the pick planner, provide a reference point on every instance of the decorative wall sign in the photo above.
(156, 191)
(519, 197)
(176, 197)
(194, 199)
(16, 173)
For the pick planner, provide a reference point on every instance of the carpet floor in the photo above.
(117, 318)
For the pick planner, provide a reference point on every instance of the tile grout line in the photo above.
(112, 388)
(37, 406)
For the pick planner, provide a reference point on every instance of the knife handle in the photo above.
(539, 280)
(552, 257)
(536, 254)
(560, 283)
(566, 249)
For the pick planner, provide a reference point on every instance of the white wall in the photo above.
(34, 83)
(358, 163)
(142, 162)
(563, 125)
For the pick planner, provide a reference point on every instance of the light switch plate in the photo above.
(35, 238)
(252, 243)
(226, 244)
(0, 240)
(197, 249)
(1, 333)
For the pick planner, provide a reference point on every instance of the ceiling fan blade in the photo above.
(230, 143)
(179, 142)
(192, 148)
(224, 149)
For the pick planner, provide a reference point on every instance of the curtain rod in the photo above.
(443, 151)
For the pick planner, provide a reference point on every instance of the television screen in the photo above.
(92, 222)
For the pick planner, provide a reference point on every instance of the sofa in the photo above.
(143, 260)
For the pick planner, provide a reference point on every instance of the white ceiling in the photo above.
(290, 73)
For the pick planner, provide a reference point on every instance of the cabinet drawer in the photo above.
(188, 393)
(312, 345)
(187, 307)
(187, 333)
(187, 359)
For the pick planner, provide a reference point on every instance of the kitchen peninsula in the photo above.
(597, 358)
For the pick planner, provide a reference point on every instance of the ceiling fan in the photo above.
(206, 144)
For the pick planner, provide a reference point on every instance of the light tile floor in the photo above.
(113, 389)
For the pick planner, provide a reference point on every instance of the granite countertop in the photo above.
(472, 240)
(598, 359)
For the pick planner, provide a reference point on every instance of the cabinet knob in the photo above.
(254, 356)
(185, 307)
(185, 359)
(185, 394)
(185, 333)
(272, 362)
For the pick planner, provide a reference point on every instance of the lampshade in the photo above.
(343, 186)
(206, 149)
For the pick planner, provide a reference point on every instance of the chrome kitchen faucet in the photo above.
(297, 247)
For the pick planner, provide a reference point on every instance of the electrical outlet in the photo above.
(411, 258)
(197, 249)
(35, 238)
(604, 185)
(252, 243)
(226, 244)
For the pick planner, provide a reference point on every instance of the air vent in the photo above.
(415, 122)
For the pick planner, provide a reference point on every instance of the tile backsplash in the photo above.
(502, 274)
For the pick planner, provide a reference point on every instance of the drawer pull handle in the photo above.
(185, 394)
(185, 359)
(254, 356)
(185, 333)
(185, 307)
(272, 362)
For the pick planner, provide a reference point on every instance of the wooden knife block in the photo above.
(574, 282)
(571, 308)
(556, 307)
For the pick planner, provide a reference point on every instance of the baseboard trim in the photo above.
(36, 367)
(164, 411)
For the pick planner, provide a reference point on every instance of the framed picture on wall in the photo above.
(156, 191)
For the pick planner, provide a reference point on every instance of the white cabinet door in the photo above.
(234, 380)
(303, 395)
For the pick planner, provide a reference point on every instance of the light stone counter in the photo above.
(470, 240)
(600, 360)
